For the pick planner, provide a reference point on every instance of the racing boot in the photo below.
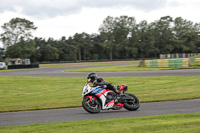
(117, 91)
(117, 97)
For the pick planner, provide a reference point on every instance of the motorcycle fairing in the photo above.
(122, 87)
(98, 92)
(91, 98)
(102, 93)
(110, 104)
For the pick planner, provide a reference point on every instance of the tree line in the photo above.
(118, 38)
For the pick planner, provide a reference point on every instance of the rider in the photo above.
(92, 77)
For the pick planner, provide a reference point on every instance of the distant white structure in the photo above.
(2, 66)
(177, 55)
(15, 61)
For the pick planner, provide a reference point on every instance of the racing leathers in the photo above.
(103, 84)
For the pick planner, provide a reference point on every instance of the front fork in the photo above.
(90, 97)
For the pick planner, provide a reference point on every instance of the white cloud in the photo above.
(52, 8)
(56, 18)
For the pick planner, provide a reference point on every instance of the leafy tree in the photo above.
(77, 41)
(143, 39)
(15, 30)
(22, 49)
(164, 34)
(83, 45)
(51, 53)
(40, 47)
(2, 54)
(185, 35)
(66, 51)
(119, 38)
(97, 52)
(146, 40)
(115, 32)
(124, 27)
(107, 31)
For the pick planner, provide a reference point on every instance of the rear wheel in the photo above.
(132, 105)
(91, 107)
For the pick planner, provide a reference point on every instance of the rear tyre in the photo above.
(132, 105)
(91, 107)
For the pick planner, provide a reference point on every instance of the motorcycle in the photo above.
(96, 99)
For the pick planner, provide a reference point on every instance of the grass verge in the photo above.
(125, 68)
(176, 123)
(86, 64)
(193, 59)
(33, 93)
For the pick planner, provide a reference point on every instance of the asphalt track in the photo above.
(59, 71)
(71, 114)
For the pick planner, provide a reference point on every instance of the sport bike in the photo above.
(96, 99)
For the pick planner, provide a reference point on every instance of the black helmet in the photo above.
(92, 76)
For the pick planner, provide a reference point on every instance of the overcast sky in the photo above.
(57, 18)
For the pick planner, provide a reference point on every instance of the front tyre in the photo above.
(91, 107)
(132, 105)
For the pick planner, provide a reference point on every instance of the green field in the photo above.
(87, 64)
(18, 93)
(176, 123)
(193, 59)
(79, 64)
(122, 68)
(32, 93)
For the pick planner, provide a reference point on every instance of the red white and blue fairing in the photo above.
(97, 98)
(100, 93)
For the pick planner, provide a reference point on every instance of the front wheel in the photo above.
(133, 104)
(91, 107)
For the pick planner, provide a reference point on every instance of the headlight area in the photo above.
(85, 91)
